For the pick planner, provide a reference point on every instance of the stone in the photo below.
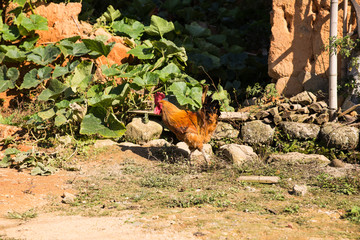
(337, 163)
(339, 136)
(68, 198)
(302, 131)
(322, 118)
(257, 132)
(295, 157)
(318, 107)
(143, 132)
(225, 130)
(303, 98)
(104, 143)
(239, 154)
(261, 114)
(157, 143)
(284, 106)
(299, 190)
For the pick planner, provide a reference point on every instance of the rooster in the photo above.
(194, 128)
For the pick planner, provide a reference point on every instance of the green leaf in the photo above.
(53, 91)
(5, 162)
(10, 33)
(62, 104)
(185, 95)
(98, 46)
(82, 76)
(46, 114)
(11, 151)
(60, 120)
(133, 30)
(149, 79)
(8, 78)
(142, 52)
(13, 53)
(109, 128)
(20, 2)
(169, 49)
(35, 22)
(35, 77)
(196, 30)
(109, 16)
(159, 26)
(44, 55)
(29, 43)
(60, 71)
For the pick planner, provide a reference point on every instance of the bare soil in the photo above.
(145, 219)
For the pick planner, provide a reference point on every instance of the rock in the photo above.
(322, 118)
(304, 98)
(68, 198)
(143, 132)
(157, 143)
(256, 132)
(284, 106)
(337, 163)
(259, 179)
(7, 131)
(295, 107)
(303, 110)
(273, 111)
(301, 131)
(207, 149)
(277, 119)
(104, 143)
(225, 130)
(128, 144)
(295, 157)
(339, 136)
(183, 146)
(299, 190)
(318, 107)
(261, 114)
(239, 154)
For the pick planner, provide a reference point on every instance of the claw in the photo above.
(206, 156)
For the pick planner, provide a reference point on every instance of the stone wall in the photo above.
(300, 30)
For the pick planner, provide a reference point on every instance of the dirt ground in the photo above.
(21, 192)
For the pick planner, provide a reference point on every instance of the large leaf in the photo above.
(111, 96)
(142, 52)
(159, 26)
(10, 33)
(197, 31)
(12, 53)
(168, 72)
(185, 95)
(44, 55)
(149, 79)
(35, 77)
(68, 47)
(169, 49)
(82, 76)
(54, 89)
(134, 30)
(35, 22)
(109, 128)
(46, 114)
(8, 78)
(98, 46)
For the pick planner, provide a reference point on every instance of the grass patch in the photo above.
(22, 216)
(353, 214)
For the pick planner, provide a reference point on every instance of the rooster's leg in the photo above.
(206, 156)
(190, 155)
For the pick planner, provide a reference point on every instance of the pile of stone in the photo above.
(303, 108)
